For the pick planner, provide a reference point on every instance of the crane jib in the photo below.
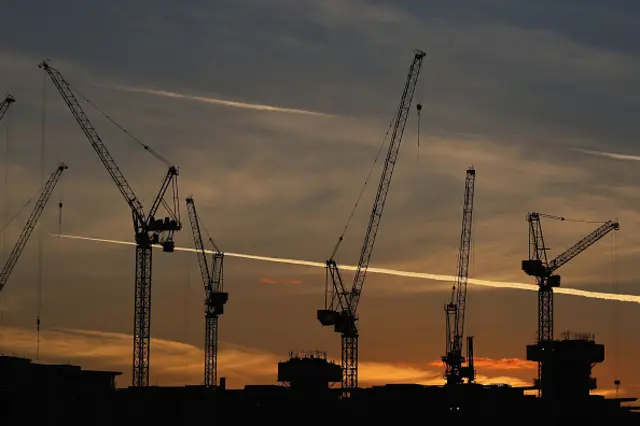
(64, 88)
(583, 244)
(543, 270)
(385, 180)
(197, 239)
(215, 297)
(341, 304)
(32, 221)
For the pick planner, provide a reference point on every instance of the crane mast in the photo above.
(543, 269)
(455, 309)
(147, 229)
(215, 298)
(47, 190)
(5, 104)
(342, 305)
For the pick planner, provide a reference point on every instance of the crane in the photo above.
(5, 104)
(148, 230)
(215, 298)
(341, 305)
(455, 309)
(47, 190)
(543, 269)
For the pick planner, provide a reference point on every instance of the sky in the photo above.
(274, 112)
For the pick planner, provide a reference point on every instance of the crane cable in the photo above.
(614, 307)
(185, 312)
(60, 206)
(566, 219)
(215, 247)
(366, 182)
(355, 206)
(115, 123)
(43, 106)
(598, 222)
(6, 200)
(10, 221)
(419, 109)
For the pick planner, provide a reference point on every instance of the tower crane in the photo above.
(5, 104)
(341, 305)
(455, 309)
(215, 298)
(148, 230)
(47, 190)
(543, 269)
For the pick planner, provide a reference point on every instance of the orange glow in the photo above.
(497, 364)
(176, 363)
(272, 281)
(505, 364)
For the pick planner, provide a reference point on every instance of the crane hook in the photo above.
(419, 108)
(59, 219)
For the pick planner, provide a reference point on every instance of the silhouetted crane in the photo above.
(540, 267)
(47, 190)
(455, 309)
(148, 230)
(215, 298)
(341, 306)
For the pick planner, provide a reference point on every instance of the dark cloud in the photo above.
(506, 87)
(607, 27)
(482, 75)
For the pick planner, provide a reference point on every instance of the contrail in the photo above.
(225, 102)
(612, 155)
(408, 274)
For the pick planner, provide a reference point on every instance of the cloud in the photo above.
(172, 362)
(617, 29)
(372, 373)
(612, 155)
(224, 102)
(9, 303)
(611, 392)
(176, 363)
(272, 281)
(458, 35)
(408, 274)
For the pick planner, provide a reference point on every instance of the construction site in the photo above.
(562, 389)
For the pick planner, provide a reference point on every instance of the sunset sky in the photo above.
(274, 111)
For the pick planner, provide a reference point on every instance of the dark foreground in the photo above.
(65, 394)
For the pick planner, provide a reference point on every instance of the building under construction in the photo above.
(309, 389)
